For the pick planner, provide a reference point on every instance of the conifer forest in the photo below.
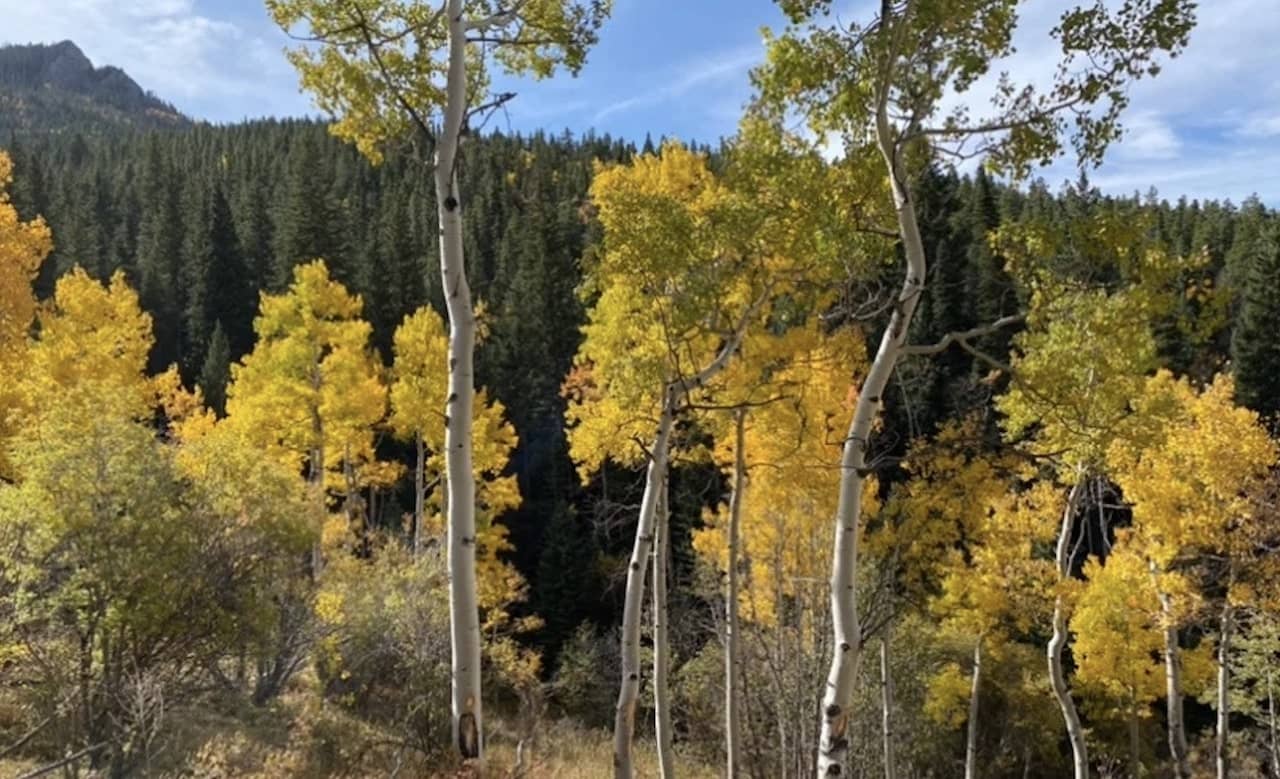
(394, 442)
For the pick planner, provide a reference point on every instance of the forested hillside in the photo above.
(781, 462)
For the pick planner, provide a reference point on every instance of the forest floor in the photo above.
(302, 735)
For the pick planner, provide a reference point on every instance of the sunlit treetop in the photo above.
(1192, 476)
(380, 65)
(23, 247)
(1095, 288)
(694, 259)
(312, 379)
(913, 66)
(93, 342)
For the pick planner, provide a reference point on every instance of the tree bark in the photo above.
(624, 722)
(1173, 688)
(625, 714)
(661, 639)
(1221, 745)
(316, 474)
(1272, 726)
(464, 615)
(419, 498)
(886, 707)
(732, 643)
(1057, 674)
(971, 739)
(833, 741)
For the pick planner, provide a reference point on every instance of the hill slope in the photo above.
(56, 88)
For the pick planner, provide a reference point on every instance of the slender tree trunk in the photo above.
(1221, 746)
(886, 709)
(837, 699)
(1135, 743)
(419, 498)
(625, 714)
(624, 722)
(1058, 674)
(464, 615)
(661, 638)
(1177, 735)
(316, 474)
(971, 740)
(732, 643)
(1272, 726)
(1173, 687)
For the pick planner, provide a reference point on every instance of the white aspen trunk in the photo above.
(464, 615)
(629, 691)
(316, 476)
(1173, 688)
(419, 498)
(1057, 674)
(661, 639)
(837, 699)
(886, 707)
(971, 740)
(1221, 745)
(1271, 724)
(624, 721)
(732, 643)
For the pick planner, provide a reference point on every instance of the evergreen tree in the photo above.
(1255, 343)
(566, 572)
(216, 371)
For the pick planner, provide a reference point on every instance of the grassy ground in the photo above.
(300, 735)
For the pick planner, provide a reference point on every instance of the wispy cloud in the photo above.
(727, 65)
(1259, 126)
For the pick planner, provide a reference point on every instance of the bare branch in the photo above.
(964, 335)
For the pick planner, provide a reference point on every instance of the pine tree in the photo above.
(566, 570)
(217, 279)
(158, 244)
(1255, 343)
(216, 370)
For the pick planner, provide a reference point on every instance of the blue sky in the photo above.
(1208, 127)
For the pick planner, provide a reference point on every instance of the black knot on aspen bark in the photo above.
(833, 710)
(468, 737)
(844, 646)
(452, 362)
(833, 769)
(452, 397)
(450, 203)
(469, 541)
(633, 676)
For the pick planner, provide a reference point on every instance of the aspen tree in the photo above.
(390, 69)
(881, 86)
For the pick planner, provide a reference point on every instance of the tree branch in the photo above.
(962, 336)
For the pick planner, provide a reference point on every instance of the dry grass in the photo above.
(302, 736)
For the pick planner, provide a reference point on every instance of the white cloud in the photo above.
(1148, 137)
(1260, 126)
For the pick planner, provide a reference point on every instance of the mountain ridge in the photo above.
(56, 87)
